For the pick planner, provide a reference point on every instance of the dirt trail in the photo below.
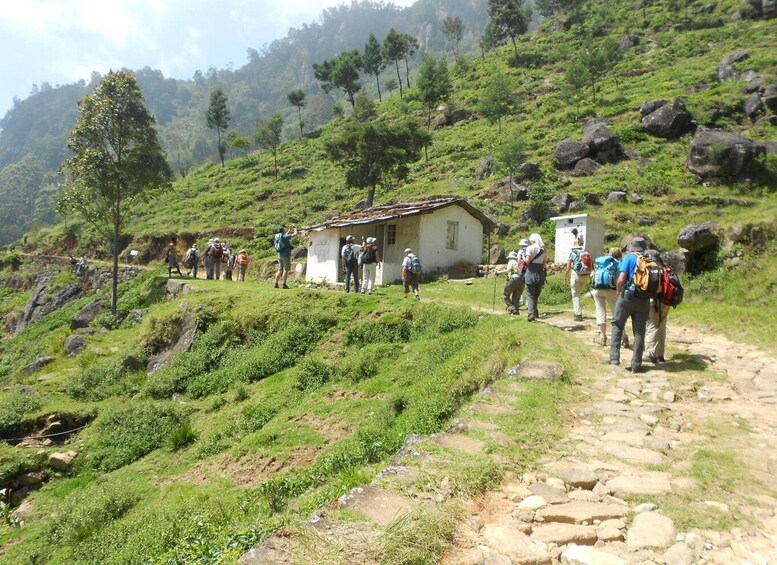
(675, 465)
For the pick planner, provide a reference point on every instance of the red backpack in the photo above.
(671, 289)
(217, 251)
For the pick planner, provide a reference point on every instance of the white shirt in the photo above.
(355, 248)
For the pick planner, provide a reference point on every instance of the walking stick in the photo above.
(493, 304)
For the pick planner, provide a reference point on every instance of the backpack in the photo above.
(190, 258)
(647, 276)
(349, 256)
(606, 272)
(414, 267)
(368, 256)
(583, 263)
(671, 289)
(216, 251)
(279, 243)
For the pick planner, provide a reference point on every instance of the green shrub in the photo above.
(313, 373)
(108, 376)
(254, 418)
(554, 293)
(390, 328)
(162, 333)
(127, 434)
(431, 320)
(180, 437)
(14, 406)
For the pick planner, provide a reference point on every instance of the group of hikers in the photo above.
(637, 286)
(367, 257)
(216, 255)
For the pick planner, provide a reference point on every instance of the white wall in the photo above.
(434, 233)
(323, 256)
(408, 232)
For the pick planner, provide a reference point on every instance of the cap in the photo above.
(638, 244)
(408, 250)
(280, 229)
(242, 251)
(216, 240)
(512, 255)
(524, 243)
(370, 240)
(349, 238)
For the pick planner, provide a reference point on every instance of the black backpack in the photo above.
(369, 256)
(349, 257)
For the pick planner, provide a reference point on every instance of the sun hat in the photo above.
(523, 243)
(638, 244)
(349, 238)
(216, 240)
(512, 255)
(242, 251)
(370, 240)
(408, 250)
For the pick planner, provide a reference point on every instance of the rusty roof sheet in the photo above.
(378, 214)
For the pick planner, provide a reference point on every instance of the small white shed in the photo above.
(442, 232)
(590, 228)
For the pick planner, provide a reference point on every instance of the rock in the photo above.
(698, 237)
(679, 554)
(299, 253)
(31, 479)
(675, 259)
(137, 315)
(586, 555)
(577, 206)
(570, 152)
(563, 534)
(721, 154)
(609, 534)
(650, 107)
(643, 221)
(184, 342)
(273, 550)
(24, 510)
(496, 255)
(578, 512)
(62, 461)
(593, 199)
(611, 156)
(86, 315)
(628, 41)
(753, 106)
(38, 364)
(669, 121)
(485, 167)
(770, 97)
(735, 57)
(550, 494)
(645, 507)
(599, 137)
(562, 201)
(44, 300)
(726, 73)
(635, 198)
(502, 229)
(616, 196)
(533, 502)
(530, 170)
(538, 371)
(585, 167)
(74, 345)
(651, 529)
(575, 477)
(516, 545)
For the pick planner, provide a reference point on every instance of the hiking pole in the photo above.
(493, 304)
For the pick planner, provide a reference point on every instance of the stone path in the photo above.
(675, 465)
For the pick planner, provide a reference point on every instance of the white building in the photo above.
(590, 228)
(442, 232)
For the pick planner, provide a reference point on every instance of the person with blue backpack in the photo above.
(411, 273)
(577, 274)
(282, 244)
(604, 280)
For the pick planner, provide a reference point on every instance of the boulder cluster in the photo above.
(598, 147)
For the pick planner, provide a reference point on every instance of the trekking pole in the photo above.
(493, 303)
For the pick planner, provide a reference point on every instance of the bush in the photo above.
(432, 320)
(106, 377)
(254, 418)
(181, 437)
(313, 373)
(14, 407)
(390, 328)
(127, 434)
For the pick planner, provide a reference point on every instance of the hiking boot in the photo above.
(578, 317)
(418, 297)
(276, 285)
(661, 360)
(285, 286)
(636, 369)
(614, 362)
(653, 359)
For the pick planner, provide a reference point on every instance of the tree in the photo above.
(508, 160)
(371, 151)
(434, 83)
(577, 76)
(373, 61)
(549, 8)
(342, 73)
(297, 98)
(509, 19)
(117, 160)
(393, 50)
(217, 117)
(364, 110)
(453, 30)
(391, 84)
(239, 143)
(268, 136)
(497, 99)
(411, 46)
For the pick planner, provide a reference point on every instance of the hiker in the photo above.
(632, 304)
(515, 281)
(192, 259)
(350, 256)
(217, 256)
(411, 273)
(369, 259)
(241, 260)
(282, 244)
(536, 262)
(580, 265)
(172, 262)
(229, 257)
(655, 330)
(209, 260)
(604, 293)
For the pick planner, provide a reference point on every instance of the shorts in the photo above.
(284, 263)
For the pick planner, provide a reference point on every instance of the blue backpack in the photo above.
(415, 265)
(605, 272)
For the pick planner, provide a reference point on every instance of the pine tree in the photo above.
(297, 98)
(373, 61)
(217, 118)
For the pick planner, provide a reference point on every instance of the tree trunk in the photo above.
(377, 80)
(515, 48)
(370, 196)
(275, 160)
(115, 275)
(221, 153)
(407, 72)
(299, 113)
(399, 77)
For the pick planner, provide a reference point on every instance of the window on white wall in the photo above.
(452, 241)
(391, 234)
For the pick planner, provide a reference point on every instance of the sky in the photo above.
(62, 41)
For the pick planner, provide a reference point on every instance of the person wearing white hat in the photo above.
(242, 264)
(370, 261)
(209, 260)
(515, 282)
(192, 259)
(536, 262)
(411, 273)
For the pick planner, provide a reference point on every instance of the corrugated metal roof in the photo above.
(378, 214)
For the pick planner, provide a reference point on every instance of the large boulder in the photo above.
(530, 170)
(570, 152)
(184, 342)
(599, 137)
(616, 196)
(485, 167)
(770, 97)
(496, 255)
(651, 106)
(716, 153)
(670, 121)
(753, 106)
(698, 237)
(86, 315)
(37, 365)
(562, 201)
(735, 57)
(585, 167)
(74, 345)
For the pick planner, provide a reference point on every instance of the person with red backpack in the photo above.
(580, 265)
(660, 305)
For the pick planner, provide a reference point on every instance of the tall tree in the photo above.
(117, 160)
(297, 98)
(268, 136)
(411, 46)
(509, 19)
(434, 83)
(497, 99)
(453, 30)
(576, 77)
(217, 117)
(342, 73)
(393, 50)
(372, 151)
(373, 61)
